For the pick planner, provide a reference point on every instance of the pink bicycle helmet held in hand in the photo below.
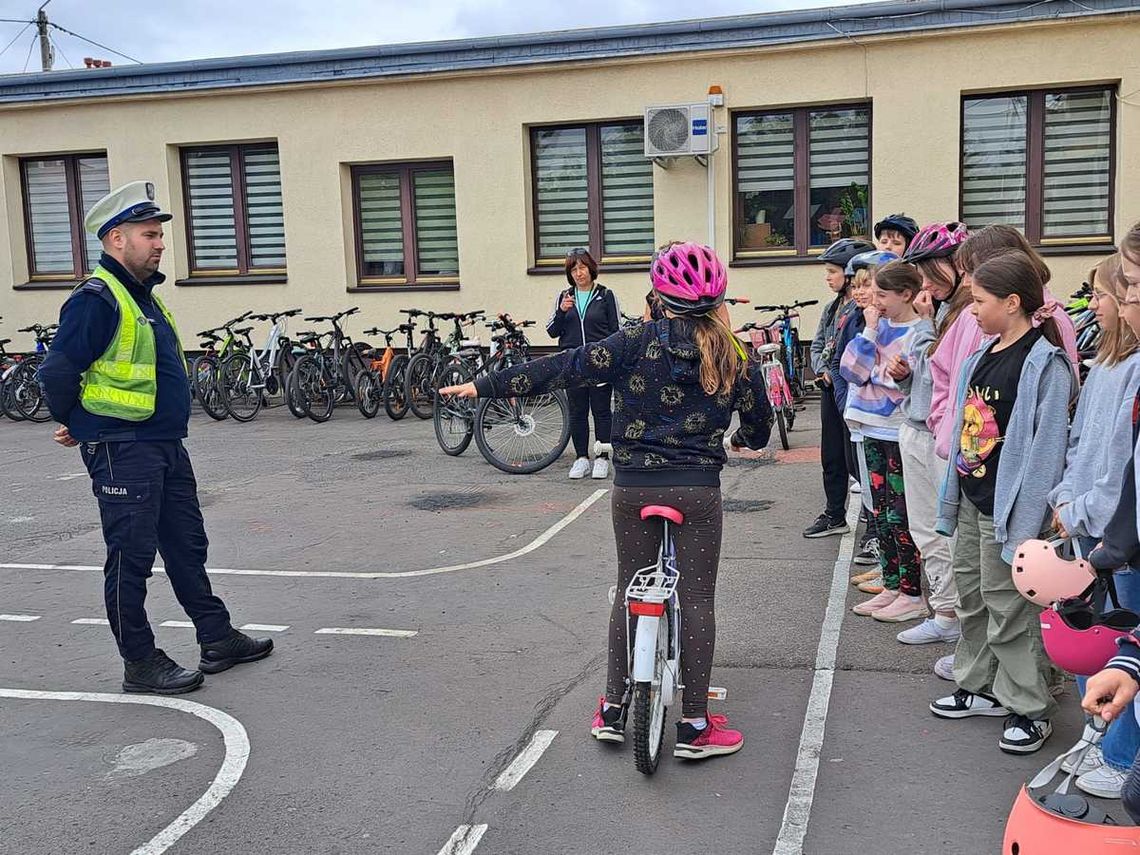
(689, 278)
(1044, 577)
(1078, 637)
(938, 240)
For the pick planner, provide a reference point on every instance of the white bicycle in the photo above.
(249, 376)
(653, 621)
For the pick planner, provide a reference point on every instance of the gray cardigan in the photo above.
(919, 385)
(1033, 450)
(1100, 446)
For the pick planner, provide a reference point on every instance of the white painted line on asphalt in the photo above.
(92, 621)
(20, 618)
(464, 840)
(177, 624)
(264, 627)
(233, 733)
(538, 542)
(797, 811)
(20, 519)
(71, 477)
(525, 761)
(358, 630)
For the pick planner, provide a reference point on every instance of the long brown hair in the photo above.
(1013, 272)
(994, 240)
(1118, 344)
(942, 271)
(721, 365)
(1130, 246)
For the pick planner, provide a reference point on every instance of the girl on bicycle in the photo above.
(586, 311)
(677, 382)
(1100, 447)
(874, 411)
(1011, 422)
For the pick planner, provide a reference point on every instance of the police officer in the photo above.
(115, 379)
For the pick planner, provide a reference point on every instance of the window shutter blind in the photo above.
(765, 153)
(561, 190)
(94, 184)
(381, 226)
(437, 245)
(263, 208)
(210, 183)
(993, 161)
(627, 191)
(46, 183)
(1078, 137)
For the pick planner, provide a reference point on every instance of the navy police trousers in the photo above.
(148, 502)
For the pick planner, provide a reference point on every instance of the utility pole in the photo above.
(46, 52)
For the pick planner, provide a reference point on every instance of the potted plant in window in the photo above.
(853, 204)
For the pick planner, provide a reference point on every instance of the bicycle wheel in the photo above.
(417, 385)
(649, 707)
(782, 425)
(7, 399)
(352, 363)
(454, 418)
(523, 435)
(395, 389)
(369, 393)
(238, 386)
(293, 397)
(27, 396)
(207, 377)
(314, 388)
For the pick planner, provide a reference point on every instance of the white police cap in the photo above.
(131, 203)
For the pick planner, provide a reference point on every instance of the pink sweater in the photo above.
(962, 339)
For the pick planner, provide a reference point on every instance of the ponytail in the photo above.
(721, 365)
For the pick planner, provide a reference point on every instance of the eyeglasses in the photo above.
(577, 251)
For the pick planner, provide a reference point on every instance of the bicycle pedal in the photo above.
(717, 693)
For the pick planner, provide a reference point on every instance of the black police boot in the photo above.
(235, 648)
(158, 674)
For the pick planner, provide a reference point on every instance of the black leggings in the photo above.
(697, 541)
(583, 400)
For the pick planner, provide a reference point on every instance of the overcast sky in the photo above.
(160, 32)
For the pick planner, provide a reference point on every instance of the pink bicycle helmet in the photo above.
(689, 278)
(1044, 577)
(1081, 640)
(938, 240)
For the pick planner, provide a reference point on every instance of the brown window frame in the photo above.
(241, 222)
(412, 276)
(801, 181)
(81, 266)
(594, 214)
(1035, 161)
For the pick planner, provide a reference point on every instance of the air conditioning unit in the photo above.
(679, 129)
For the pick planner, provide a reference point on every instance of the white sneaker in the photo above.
(853, 486)
(1104, 782)
(1093, 758)
(580, 469)
(944, 668)
(929, 632)
(601, 467)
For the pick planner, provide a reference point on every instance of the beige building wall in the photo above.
(479, 121)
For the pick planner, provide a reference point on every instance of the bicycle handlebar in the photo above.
(797, 305)
(732, 301)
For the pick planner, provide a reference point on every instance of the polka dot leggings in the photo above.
(697, 541)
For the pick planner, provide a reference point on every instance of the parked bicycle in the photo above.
(250, 376)
(22, 396)
(205, 370)
(764, 346)
(792, 354)
(372, 380)
(418, 390)
(321, 378)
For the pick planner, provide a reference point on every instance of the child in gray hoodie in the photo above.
(1007, 453)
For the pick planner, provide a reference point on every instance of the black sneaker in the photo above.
(608, 724)
(232, 650)
(868, 553)
(1023, 735)
(825, 526)
(158, 674)
(964, 704)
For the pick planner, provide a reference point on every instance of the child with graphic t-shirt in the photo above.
(1007, 453)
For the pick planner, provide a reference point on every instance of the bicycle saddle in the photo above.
(671, 514)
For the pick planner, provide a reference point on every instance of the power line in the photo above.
(15, 37)
(28, 59)
(93, 42)
(55, 45)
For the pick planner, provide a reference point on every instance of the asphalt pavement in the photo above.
(436, 620)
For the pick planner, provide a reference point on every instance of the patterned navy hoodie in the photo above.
(667, 430)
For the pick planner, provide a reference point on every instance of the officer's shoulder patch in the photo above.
(96, 286)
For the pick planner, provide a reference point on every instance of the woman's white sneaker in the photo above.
(1104, 782)
(929, 632)
(601, 468)
(580, 469)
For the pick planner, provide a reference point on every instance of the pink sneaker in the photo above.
(693, 744)
(608, 724)
(903, 608)
(880, 600)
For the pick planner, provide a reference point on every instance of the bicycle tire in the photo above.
(7, 399)
(454, 420)
(239, 396)
(352, 363)
(27, 395)
(369, 393)
(649, 708)
(314, 389)
(292, 397)
(207, 375)
(780, 423)
(545, 416)
(418, 385)
(395, 392)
